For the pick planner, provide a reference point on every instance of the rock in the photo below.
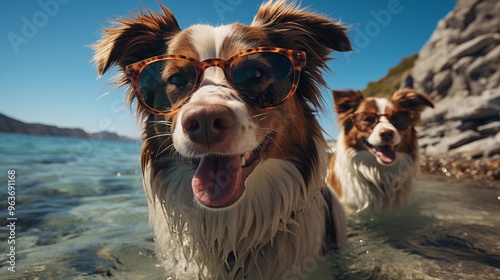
(475, 107)
(489, 128)
(467, 125)
(461, 64)
(494, 54)
(433, 130)
(485, 67)
(440, 148)
(459, 68)
(472, 46)
(492, 150)
(483, 16)
(428, 142)
(494, 80)
(406, 81)
(459, 85)
(442, 80)
(445, 144)
(462, 15)
(467, 33)
(463, 138)
(462, 125)
(436, 114)
(426, 67)
(486, 147)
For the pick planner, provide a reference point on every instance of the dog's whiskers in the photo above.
(158, 135)
(168, 148)
(261, 117)
(165, 122)
(275, 131)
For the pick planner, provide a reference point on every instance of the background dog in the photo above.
(377, 154)
(233, 158)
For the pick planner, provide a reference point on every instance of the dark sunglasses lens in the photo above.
(263, 79)
(401, 120)
(165, 85)
(365, 121)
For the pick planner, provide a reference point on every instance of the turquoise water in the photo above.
(81, 214)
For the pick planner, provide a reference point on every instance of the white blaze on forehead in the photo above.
(207, 40)
(382, 104)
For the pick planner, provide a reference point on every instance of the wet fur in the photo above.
(355, 175)
(287, 213)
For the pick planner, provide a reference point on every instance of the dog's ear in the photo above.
(412, 99)
(307, 29)
(293, 28)
(134, 39)
(346, 101)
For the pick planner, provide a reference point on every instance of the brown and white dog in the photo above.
(233, 158)
(376, 156)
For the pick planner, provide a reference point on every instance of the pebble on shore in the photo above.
(476, 169)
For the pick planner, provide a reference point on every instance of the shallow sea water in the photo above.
(82, 214)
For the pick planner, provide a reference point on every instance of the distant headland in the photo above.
(10, 125)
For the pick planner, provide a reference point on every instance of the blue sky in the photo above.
(48, 77)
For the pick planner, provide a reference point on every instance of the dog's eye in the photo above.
(364, 117)
(177, 80)
(255, 74)
(369, 119)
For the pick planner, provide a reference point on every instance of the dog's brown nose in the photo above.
(207, 124)
(387, 135)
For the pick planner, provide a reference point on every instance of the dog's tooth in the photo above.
(245, 157)
(248, 155)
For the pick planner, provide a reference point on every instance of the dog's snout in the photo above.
(387, 135)
(207, 124)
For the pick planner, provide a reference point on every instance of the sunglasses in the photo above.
(265, 77)
(366, 121)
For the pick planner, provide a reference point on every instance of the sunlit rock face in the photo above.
(459, 68)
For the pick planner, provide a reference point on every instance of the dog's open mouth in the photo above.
(218, 180)
(385, 153)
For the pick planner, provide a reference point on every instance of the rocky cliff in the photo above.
(460, 68)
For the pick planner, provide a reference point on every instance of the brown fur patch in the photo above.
(332, 177)
(182, 45)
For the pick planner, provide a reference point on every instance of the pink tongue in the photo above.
(386, 153)
(216, 180)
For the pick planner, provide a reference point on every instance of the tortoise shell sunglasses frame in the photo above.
(297, 59)
(400, 119)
